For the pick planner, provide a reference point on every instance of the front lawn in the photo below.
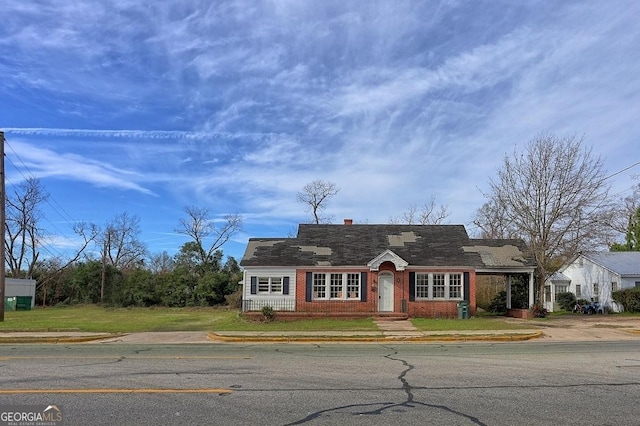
(93, 318)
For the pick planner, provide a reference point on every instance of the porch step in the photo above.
(391, 316)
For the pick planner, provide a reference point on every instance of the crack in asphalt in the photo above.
(408, 403)
(115, 361)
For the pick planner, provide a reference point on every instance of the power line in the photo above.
(62, 212)
(623, 170)
(49, 200)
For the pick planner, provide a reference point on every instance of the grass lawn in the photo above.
(94, 318)
(473, 323)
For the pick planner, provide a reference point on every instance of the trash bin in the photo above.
(463, 309)
(23, 303)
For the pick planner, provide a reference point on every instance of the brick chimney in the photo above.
(348, 221)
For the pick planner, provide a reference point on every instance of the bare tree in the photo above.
(626, 221)
(492, 223)
(120, 245)
(555, 196)
(315, 195)
(199, 226)
(160, 263)
(23, 232)
(88, 232)
(625, 210)
(427, 214)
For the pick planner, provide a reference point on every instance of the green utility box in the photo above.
(23, 303)
(463, 309)
(9, 303)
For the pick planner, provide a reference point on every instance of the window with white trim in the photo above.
(336, 286)
(439, 286)
(269, 285)
(596, 291)
(614, 286)
(353, 286)
(319, 286)
(455, 286)
(422, 286)
(578, 291)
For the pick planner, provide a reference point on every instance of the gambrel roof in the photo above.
(360, 245)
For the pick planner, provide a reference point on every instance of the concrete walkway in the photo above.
(398, 328)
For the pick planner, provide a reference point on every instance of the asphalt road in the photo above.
(575, 383)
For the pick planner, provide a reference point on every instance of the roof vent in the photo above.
(348, 221)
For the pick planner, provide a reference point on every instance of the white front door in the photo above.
(385, 293)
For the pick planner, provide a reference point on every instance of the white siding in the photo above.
(585, 273)
(279, 302)
(628, 282)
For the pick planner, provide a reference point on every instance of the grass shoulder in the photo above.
(473, 323)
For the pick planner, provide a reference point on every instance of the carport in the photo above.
(506, 258)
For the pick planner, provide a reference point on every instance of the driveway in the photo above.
(586, 327)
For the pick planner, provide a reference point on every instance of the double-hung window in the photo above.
(455, 286)
(439, 286)
(319, 286)
(422, 286)
(353, 286)
(336, 286)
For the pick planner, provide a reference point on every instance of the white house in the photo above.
(595, 276)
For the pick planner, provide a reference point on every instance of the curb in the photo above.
(502, 337)
(508, 337)
(55, 339)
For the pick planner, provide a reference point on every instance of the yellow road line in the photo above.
(40, 391)
(7, 358)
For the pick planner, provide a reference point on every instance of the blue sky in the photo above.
(147, 107)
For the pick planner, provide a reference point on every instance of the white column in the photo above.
(531, 289)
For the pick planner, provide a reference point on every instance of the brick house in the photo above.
(364, 270)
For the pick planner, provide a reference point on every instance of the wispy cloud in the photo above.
(131, 134)
(44, 163)
(237, 104)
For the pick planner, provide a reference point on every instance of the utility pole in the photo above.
(3, 199)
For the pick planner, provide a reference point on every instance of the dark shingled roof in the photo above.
(356, 245)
